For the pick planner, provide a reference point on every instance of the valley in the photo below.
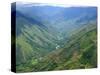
(58, 38)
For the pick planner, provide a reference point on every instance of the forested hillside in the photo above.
(55, 38)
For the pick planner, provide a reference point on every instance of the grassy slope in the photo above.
(79, 52)
(33, 40)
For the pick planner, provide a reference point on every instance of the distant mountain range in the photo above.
(52, 35)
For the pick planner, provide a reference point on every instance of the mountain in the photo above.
(33, 40)
(79, 52)
(55, 38)
(61, 18)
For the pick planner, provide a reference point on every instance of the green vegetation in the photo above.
(36, 50)
(54, 37)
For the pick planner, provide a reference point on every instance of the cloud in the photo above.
(29, 4)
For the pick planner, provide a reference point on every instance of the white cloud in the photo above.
(29, 4)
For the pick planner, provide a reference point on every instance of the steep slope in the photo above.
(55, 38)
(79, 52)
(33, 39)
(61, 17)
